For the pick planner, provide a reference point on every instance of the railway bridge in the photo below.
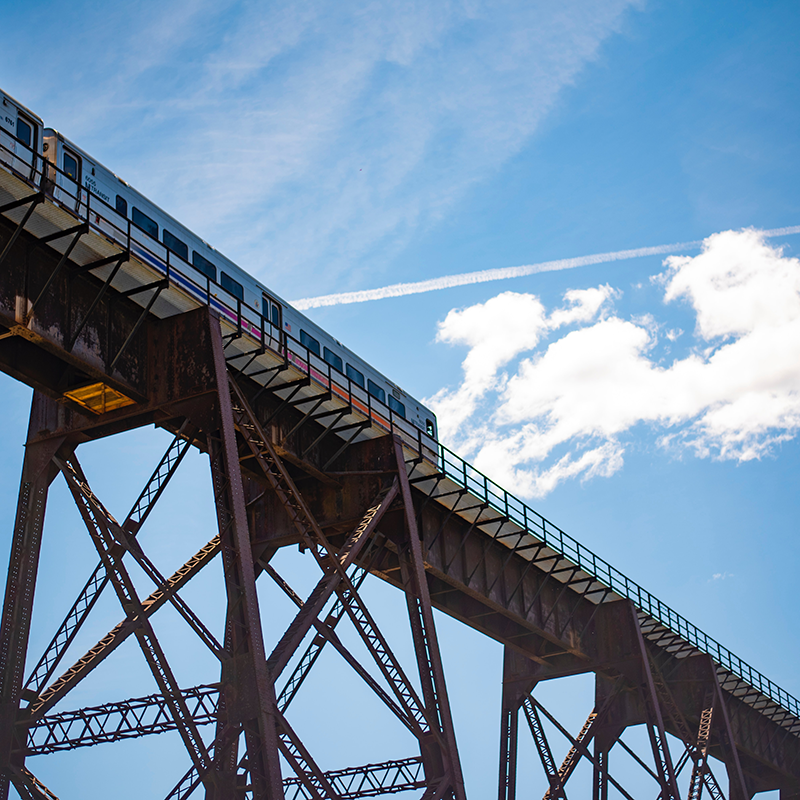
(300, 457)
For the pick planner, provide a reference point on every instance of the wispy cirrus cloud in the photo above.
(567, 407)
(505, 273)
(316, 139)
(720, 576)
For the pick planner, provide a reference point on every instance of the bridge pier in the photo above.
(38, 473)
(259, 508)
(632, 691)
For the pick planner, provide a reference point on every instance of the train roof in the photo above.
(7, 97)
(133, 190)
(179, 225)
(93, 160)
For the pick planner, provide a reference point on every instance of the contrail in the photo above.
(502, 273)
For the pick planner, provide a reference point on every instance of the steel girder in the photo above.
(38, 472)
(637, 694)
(251, 731)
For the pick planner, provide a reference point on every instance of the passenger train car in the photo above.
(68, 175)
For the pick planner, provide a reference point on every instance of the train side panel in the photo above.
(21, 137)
(161, 239)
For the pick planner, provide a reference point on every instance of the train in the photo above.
(67, 173)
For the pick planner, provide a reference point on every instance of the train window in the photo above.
(148, 225)
(310, 342)
(397, 407)
(271, 311)
(430, 428)
(25, 132)
(376, 390)
(334, 360)
(72, 166)
(355, 376)
(204, 265)
(175, 244)
(122, 206)
(232, 286)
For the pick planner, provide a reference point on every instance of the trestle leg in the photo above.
(38, 472)
(423, 630)
(247, 686)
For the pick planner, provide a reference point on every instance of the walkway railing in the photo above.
(484, 488)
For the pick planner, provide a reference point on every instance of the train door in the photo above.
(272, 312)
(26, 146)
(8, 129)
(69, 178)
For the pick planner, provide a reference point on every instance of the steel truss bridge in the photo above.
(300, 456)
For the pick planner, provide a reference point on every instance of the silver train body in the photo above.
(202, 270)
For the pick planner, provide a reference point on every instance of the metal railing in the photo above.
(251, 323)
(484, 488)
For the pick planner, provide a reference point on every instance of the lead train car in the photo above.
(23, 134)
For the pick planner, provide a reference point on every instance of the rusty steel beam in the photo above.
(328, 584)
(38, 472)
(371, 780)
(28, 786)
(326, 634)
(101, 526)
(312, 652)
(543, 748)
(579, 746)
(573, 755)
(252, 679)
(99, 579)
(655, 720)
(509, 732)
(423, 630)
(112, 722)
(40, 705)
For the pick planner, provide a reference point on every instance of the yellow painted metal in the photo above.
(99, 398)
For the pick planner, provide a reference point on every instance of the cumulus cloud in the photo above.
(496, 332)
(534, 409)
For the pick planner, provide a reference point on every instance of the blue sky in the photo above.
(647, 406)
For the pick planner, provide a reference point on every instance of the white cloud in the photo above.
(496, 332)
(721, 576)
(507, 273)
(570, 404)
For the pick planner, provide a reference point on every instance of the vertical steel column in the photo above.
(509, 733)
(600, 770)
(424, 632)
(738, 786)
(248, 689)
(37, 475)
(226, 739)
(655, 720)
(606, 694)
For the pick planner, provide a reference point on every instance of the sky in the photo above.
(618, 183)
